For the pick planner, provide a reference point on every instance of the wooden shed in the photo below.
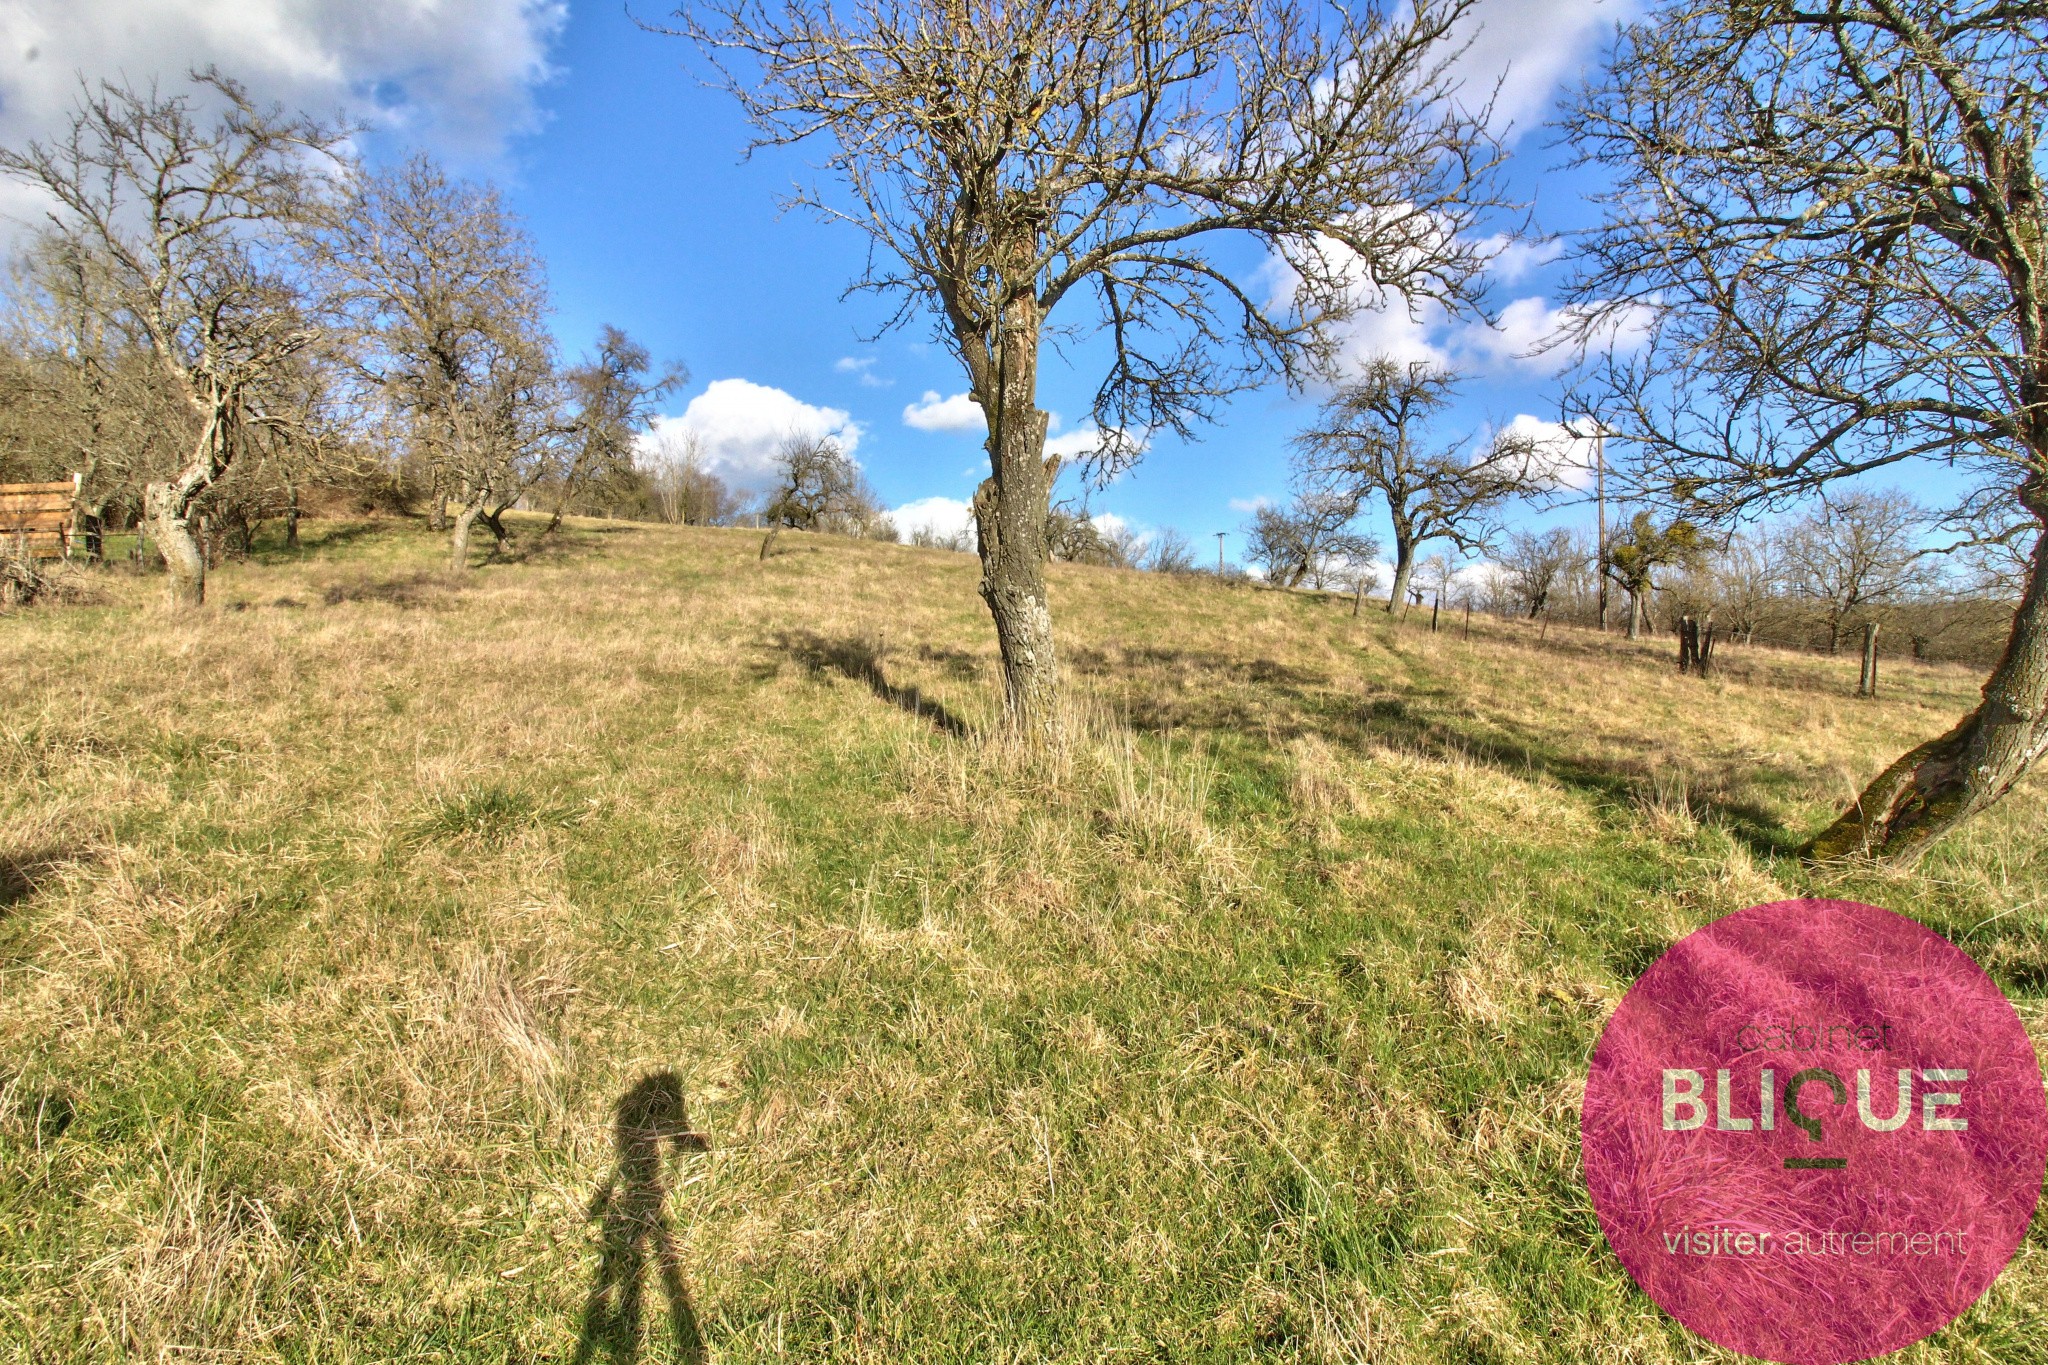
(37, 517)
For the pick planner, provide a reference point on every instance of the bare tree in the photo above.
(1363, 574)
(1126, 544)
(1073, 535)
(1374, 439)
(1534, 562)
(676, 466)
(190, 222)
(1829, 223)
(503, 433)
(931, 538)
(1855, 553)
(818, 488)
(449, 302)
(82, 393)
(1012, 157)
(1305, 541)
(1167, 551)
(615, 400)
(1434, 576)
(1748, 575)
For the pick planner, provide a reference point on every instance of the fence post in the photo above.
(1468, 618)
(1703, 650)
(1866, 685)
(1436, 605)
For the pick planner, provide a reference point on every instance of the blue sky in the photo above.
(631, 175)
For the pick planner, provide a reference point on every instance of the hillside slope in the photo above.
(361, 941)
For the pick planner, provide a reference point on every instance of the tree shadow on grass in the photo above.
(24, 872)
(1161, 690)
(861, 661)
(1393, 720)
(424, 588)
(631, 1210)
(1210, 690)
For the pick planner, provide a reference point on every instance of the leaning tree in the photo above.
(191, 207)
(1017, 162)
(1827, 225)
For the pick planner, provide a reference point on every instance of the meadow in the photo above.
(374, 942)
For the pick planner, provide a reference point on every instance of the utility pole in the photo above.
(1219, 552)
(1600, 535)
(1599, 438)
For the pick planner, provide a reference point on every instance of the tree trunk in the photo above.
(1945, 781)
(1635, 615)
(494, 518)
(166, 510)
(1404, 568)
(458, 540)
(291, 519)
(167, 507)
(1010, 512)
(437, 503)
(94, 527)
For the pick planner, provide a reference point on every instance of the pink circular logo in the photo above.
(1814, 1131)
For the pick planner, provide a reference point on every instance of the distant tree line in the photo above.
(225, 322)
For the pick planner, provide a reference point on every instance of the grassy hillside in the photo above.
(359, 940)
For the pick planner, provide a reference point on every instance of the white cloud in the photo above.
(1386, 323)
(1510, 260)
(1517, 337)
(1530, 47)
(864, 367)
(1520, 335)
(1250, 505)
(457, 75)
(941, 516)
(741, 424)
(1559, 455)
(1083, 443)
(933, 413)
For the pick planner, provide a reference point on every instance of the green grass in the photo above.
(336, 924)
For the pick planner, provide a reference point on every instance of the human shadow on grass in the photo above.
(630, 1208)
(861, 661)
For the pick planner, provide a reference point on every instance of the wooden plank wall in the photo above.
(37, 516)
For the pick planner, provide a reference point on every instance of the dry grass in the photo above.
(335, 924)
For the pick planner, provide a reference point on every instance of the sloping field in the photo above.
(363, 941)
